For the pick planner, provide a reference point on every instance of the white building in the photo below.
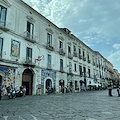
(36, 53)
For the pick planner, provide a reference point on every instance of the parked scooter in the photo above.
(19, 93)
(11, 92)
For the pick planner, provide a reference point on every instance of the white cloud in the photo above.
(116, 46)
(114, 57)
(96, 16)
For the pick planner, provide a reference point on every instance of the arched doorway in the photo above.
(61, 85)
(48, 83)
(27, 80)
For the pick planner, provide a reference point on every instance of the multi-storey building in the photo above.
(36, 53)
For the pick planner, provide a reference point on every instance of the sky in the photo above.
(95, 22)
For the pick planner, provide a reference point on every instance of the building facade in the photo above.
(36, 53)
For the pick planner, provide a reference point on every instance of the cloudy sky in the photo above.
(95, 22)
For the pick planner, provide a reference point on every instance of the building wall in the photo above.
(18, 13)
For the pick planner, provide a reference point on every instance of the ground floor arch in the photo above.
(48, 83)
(27, 81)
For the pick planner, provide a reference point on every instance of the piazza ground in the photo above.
(89, 105)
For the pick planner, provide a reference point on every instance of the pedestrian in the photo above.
(110, 86)
(0, 94)
(118, 88)
(24, 90)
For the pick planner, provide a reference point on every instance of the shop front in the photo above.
(48, 80)
(70, 82)
(7, 78)
(61, 82)
(27, 81)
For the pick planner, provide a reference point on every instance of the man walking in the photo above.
(118, 87)
(110, 86)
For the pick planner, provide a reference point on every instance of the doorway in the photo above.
(27, 81)
(61, 84)
(48, 83)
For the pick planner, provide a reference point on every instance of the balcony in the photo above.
(70, 70)
(49, 66)
(29, 37)
(49, 47)
(5, 26)
(29, 62)
(75, 54)
(89, 61)
(84, 58)
(70, 55)
(61, 52)
(80, 56)
(93, 63)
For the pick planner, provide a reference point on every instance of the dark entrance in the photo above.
(48, 83)
(61, 84)
(27, 80)
(0, 86)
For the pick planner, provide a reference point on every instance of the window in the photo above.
(70, 67)
(3, 12)
(88, 56)
(83, 54)
(49, 61)
(74, 48)
(79, 51)
(29, 55)
(49, 39)
(30, 28)
(61, 45)
(84, 70)
(75, 67)
(69, 50)
(89, 73)
(1, 46)
(80, 69)
(61, 64)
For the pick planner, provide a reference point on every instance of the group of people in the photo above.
(110, 87)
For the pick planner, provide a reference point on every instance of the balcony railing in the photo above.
(4, 25)
(49, 47)
(84, 58)
(28, 60)
(61, 52)
(49, 66)
(70, 56)
(70, 70)
(93, 63)
(30, 37)
(89, 61)
(80, 56)
(75, 54)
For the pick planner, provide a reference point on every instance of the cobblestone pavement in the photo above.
(89, 105)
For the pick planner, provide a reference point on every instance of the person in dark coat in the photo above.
(0, 93)
(118, 88)
(110, 86)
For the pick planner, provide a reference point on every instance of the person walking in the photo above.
(24, 90)
(110, 86)
(118, 88)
